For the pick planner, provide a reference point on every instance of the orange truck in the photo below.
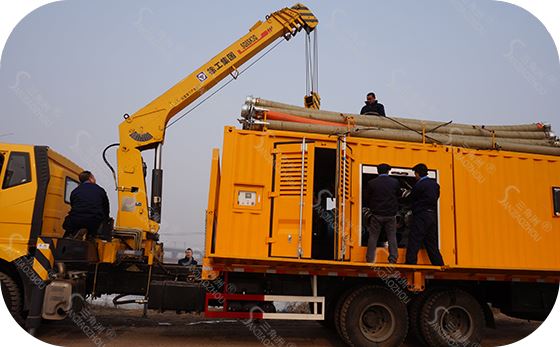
(285, 225)
(285, 218)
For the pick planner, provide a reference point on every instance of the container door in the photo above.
(345, 201)
(292, 204)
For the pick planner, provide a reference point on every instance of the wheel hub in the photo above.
(377, 322)
(457, 323)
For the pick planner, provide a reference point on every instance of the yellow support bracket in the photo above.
(416, 281)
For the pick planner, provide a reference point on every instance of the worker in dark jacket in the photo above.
(373, 107)
(424, 228)
(381, 198)
(89, 206)
(188, 260)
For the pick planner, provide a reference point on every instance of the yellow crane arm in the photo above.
(145, 129)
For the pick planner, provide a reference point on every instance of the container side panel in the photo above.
(504, 210)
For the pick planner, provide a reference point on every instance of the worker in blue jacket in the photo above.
(424, 228)
(89, 206)
(382, 198)
(373, 107)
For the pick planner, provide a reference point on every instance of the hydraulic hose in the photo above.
(109, 164)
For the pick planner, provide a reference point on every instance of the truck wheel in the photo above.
(12, 297)
(338, 308)
(414, 314)
(452, 317)
(373, 315)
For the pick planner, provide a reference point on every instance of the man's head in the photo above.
(420, 170)
(86, 176)
(370, 98)
(383, 169)
(188, 253)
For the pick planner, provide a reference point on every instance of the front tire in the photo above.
(373, 316)
(12, 297)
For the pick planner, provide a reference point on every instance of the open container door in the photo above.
(345, 201)
(292, 204)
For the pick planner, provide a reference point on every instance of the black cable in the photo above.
(109, 164)
(310, 62)
(307, 65)
(439, 126)
(316, 59)
(224, 85)
(416, 131)
(404, 126)
(378, 128)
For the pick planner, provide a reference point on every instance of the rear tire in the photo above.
(415, 314)
(338, 309)
(452, 317)
(12, 297)
(373, 316)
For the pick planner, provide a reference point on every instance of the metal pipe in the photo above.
(61, 267)
(450, 133)
(157, 159)
(146, 295)
(314, 290)
(459, 141)
(95, 280)
(387, 121)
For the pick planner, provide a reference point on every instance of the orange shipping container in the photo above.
(287, 195)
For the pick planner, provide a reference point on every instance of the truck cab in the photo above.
(35, 187)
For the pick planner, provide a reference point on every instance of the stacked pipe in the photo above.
(527, 138)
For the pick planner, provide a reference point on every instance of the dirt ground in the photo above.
(119, 327)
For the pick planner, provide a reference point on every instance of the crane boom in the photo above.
(145, 129)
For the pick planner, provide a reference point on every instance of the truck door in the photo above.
(17, 197)
(345, 201)
(292, 202)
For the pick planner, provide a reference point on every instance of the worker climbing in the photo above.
(89, 208)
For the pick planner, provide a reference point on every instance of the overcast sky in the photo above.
(71, 69)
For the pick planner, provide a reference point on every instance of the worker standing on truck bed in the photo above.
(373, 107)
(89, 206)
(382, 199)
(424, 229)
